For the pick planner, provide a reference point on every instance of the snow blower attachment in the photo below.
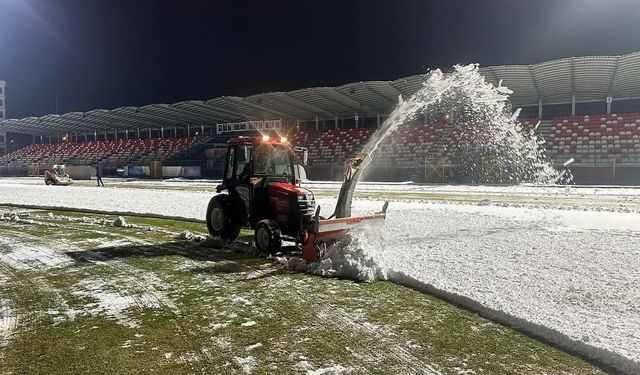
(327, 231)
(262, 183)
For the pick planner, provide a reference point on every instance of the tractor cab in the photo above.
(262, 178)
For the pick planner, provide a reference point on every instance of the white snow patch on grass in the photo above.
(250, 323)
(254, 346)
(188, 236)
(21, 256)
(241, 301)
(304, 365)
(247, 364)
(109, 301)
(8, 319)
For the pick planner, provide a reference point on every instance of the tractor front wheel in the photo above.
(220, 219)
(267, 236)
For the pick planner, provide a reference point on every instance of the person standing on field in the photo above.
(99, 174)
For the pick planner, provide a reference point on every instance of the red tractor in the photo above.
(261, 179)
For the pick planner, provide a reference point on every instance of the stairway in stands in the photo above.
(544, 129)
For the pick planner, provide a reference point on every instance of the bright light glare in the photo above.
(283, 139)
(265, 138)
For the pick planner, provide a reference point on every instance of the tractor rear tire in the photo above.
(221, 222)
(267, 237)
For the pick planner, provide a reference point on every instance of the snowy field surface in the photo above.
(573, 272)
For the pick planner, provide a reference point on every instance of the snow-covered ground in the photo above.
(536, 190)
(571, 276)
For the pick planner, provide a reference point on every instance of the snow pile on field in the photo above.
(120, 222)
(188, 236)
(350, 258)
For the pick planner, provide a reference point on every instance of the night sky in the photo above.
(104, 54)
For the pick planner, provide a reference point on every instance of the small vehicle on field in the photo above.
(57, 176)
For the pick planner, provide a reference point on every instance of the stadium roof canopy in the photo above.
(581, 79)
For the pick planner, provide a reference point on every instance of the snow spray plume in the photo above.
(482, 127)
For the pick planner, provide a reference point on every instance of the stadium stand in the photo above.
(410, 144)
(120, 152)
(596, 138)
(338, 145)
(304, 138)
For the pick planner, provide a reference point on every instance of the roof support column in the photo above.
(76, 137)
(95, 135)
(317, 124)
(336, 124)
(115, 134)
(138, 132)
(573, 104)
(540, 109)
(162, 131)
(126, 133)
(148, 132)
(356, 117)
(188, 130)
(105, 135)
(175, 132)
(202, 129)
(49, 138)
(609, 101)
(34, 139)
(378, 120)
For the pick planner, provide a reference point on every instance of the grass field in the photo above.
(79, 295)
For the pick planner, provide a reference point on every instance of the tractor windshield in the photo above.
(272, 160)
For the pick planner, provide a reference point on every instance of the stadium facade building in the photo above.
(567, 95)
